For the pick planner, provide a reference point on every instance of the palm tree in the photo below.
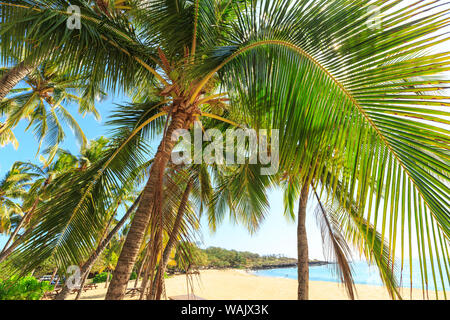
(190, 190)
(302, 246)
(39, 180)
(336, 235)
(315, 70)
(104, 242)
(89, 155)
(11, 77)
(13, 188)
(42, 178)
(180, 221)
(171, 243)
(216, 190)
(43, 101)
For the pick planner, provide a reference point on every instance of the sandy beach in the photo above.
(240, 285)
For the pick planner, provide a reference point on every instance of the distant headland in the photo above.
(219, 258)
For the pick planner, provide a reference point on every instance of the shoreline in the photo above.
(249, 271)
(314, 263)
(231, 284)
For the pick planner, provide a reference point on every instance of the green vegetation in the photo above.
(27, 288)
(100, 277)
(214, 257)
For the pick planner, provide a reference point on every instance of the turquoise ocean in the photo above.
(363, 273)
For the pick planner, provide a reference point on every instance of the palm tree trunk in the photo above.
(83, 281)
(13, 77)
(138, 274)
(158, 281)
(53, 275)
(302, 245)
(23, 222)
(107, 279)
(145, 281)
(151, 199)
(143, 267)
(6, 252)
(144, 271)
(85, 269)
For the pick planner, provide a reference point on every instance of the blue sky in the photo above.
(277, 235)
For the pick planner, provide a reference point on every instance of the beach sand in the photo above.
(240, 285)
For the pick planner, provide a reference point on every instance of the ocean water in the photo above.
(362, 274)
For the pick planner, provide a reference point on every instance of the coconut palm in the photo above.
(340, 227)
(13, 189)
(318, 71)
(12, 76)
(177, 223)
(39, 179)
(41, 184)
(111, 228)
(104, 241)
(44, 102)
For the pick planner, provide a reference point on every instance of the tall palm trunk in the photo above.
(138, 275)
(23, 222)
(144, 271)
(83, 282)
(107, 279)
(151, 199)
(13, 77)
(53, 275)
(302, 245)
(145, 279)
(85, 269)
(158, 281)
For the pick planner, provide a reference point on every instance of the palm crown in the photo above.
(44, 100)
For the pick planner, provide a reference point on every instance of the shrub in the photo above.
(100, 277)
(133, 275)
(27, 288)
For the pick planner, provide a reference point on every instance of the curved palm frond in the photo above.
(367, 104)
(72, 217)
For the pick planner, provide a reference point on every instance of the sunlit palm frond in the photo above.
(365, 103)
